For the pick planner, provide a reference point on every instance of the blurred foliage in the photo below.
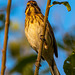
(14, 26)
(69, 45)
(2, 21)
(18, 47)
(64, 3)
(24, 64)
(14, 49)
(69, 64)
(68, 42)
(28, 69)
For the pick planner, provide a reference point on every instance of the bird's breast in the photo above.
(32, 34)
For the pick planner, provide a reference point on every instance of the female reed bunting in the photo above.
(34, 24)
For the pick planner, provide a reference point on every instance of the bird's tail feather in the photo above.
(53, 68)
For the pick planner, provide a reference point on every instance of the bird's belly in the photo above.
(32, 36)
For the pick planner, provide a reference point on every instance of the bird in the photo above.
(34, 24)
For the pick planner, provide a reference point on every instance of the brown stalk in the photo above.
(5, 38)
(41, 43)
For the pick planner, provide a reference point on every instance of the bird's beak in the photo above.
(31, 4)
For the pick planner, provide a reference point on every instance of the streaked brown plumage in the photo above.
(34, 23)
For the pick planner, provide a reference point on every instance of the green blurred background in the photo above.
(20, 56)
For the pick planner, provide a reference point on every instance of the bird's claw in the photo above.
(37, 62)
(42, 37)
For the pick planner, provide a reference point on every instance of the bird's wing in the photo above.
(54, 41)
(50, 31)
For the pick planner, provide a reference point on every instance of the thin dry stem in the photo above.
(41, 43)
(5, 38)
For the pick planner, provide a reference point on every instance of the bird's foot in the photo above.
(36, 64)
(42, 37)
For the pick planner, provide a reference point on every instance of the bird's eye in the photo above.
(35, 4)
(28, 5)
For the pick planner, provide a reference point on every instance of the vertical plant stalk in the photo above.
(5, 38)
(41, 43)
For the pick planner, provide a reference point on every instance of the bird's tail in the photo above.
(53, 68)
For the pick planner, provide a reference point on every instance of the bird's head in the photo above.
(32, 8)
